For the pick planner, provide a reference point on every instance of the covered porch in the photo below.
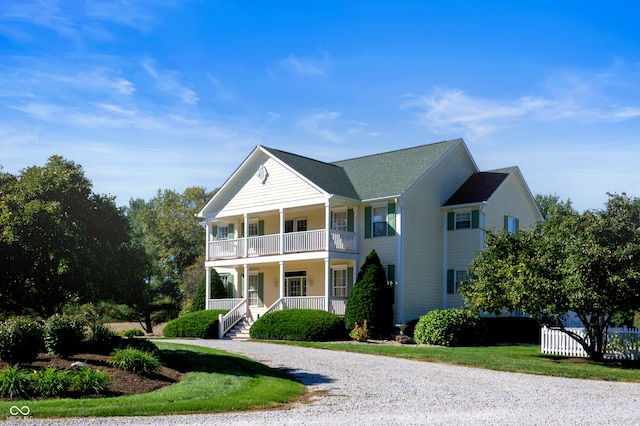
(257, 289)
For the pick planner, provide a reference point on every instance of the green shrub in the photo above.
(202, 324)
(135, 361)
(20, 340)
(132, 332)
(63, 334)
(371, 299)
(51, 381)
(299, 325)
(15, 383)
(102, 340)
(145, 345)
(450, 327)
(87, 381)
(360, 332)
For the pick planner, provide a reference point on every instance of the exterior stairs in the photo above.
(240, 331)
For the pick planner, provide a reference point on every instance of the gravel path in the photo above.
(358, 389)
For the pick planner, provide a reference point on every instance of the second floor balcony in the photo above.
(285, 243)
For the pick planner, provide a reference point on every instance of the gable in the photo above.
(247, 188)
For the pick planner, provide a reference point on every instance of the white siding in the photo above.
(423, 232)
(512, 199)
(281, 185)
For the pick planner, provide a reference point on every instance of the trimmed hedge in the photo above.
(450, 327)
(299, 325)
(202, 324)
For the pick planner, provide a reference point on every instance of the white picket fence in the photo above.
(622, 343)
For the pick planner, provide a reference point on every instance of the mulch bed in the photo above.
(122, 382)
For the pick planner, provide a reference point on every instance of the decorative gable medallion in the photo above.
(262, 174)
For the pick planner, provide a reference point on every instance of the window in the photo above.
(339, 283)
(463, 220)
(380, 221)
(511, 224)
(295, 225)
(340, 220)
(223, 232)
(253, 290)
(295, 284)
(454, 278)
(254, 229)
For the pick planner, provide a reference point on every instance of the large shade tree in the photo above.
(167, 227)
(61, 242)
(587, 263)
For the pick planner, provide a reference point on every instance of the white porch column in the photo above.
(327, 284)
(281, 234)
(246, 282)
(207, 239)
(327, 225)
(208, 286)
(281, 280)
(246, 236)
(356, 227)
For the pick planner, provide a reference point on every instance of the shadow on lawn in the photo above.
(187, 361)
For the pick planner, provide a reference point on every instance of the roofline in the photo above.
(292, 170)
(464, 205)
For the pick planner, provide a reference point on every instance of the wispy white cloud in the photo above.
(308, 66)
(167, 82)
(329, 126)
(578, 96)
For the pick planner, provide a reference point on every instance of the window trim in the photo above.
(334, 287)
(452, 279)
(458, 221)
(302, 275)
(385, 220)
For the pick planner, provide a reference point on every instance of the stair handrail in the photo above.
(231, 318)
(278, 305)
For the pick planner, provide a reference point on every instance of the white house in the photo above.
(286, 231)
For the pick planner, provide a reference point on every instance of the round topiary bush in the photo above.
(202, 324)
(299, 325)
(450, 327)
(20, 340)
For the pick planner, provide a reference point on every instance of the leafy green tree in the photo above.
(587, 263)
(218, 291)
(61, 242)
(167, 228)
(370, 299)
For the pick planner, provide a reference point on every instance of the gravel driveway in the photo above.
(357, 389)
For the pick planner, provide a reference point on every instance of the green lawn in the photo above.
(521, 359)
(216, 381)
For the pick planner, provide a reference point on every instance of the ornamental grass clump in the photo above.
(361, 334)
(135, 361)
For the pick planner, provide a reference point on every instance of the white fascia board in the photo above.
(464, 206)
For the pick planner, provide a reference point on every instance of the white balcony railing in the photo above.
(294, 242)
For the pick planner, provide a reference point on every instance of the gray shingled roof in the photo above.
(373, 176)
(478, 188)
(329, 177)
(392, 173)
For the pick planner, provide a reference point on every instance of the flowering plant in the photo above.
(361, 334)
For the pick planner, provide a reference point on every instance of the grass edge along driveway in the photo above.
(514, 359)
(216, 381)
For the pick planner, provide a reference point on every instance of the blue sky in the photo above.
(152, 94)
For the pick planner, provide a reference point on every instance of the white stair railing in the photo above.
(231, 318)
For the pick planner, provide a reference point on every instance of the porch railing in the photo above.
(339, 306)
(294, 242)
(303, 302)
(226, 322)
(226, 304)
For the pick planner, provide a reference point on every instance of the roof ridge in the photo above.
(397, 150)
(298, 155)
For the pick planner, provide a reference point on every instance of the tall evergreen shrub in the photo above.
(371, 299)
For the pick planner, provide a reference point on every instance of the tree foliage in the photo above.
(370, 298)
(588, 263)
(167, 228)
(61, 242)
